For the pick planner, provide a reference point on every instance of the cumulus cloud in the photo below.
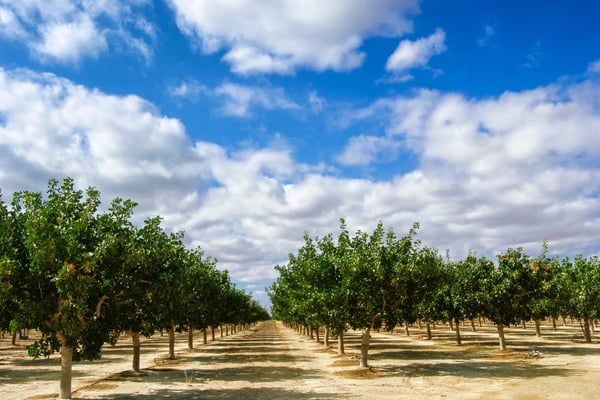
(509, 170)
(504, 171)
(278, 37)
(65, 31)
(410, 54)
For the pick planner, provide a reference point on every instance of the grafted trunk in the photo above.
(172, 340)
(364, 348)
(66, 371)
(341, 341)
(135, 341)
(501, 341)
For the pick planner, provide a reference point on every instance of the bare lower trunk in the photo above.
(14, 338)
(326, 339)
(135, 341)
(190, 337)
(204, 336)
(406, 329)
(553, 322)
(428, 327)
(66, 371)
(538, 331)
(524, 325)
(212, 332)
(458, 338)
(501, 340)
(172, 340)
(472, 325)
(586, 330)
(341, 341)
(364, 348)
(317, 334)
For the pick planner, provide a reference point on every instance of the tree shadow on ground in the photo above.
(477, 369)
(242, 393)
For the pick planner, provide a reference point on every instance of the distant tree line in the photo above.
(82, 278)
(371, 281)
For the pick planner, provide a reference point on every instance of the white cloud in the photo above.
(71, 41)
(504, 171)
(316, 102)
(594, 67)
(65, 31)
(262, 36)
(240, 99)
(410, 54)
(189, 90)
(364, 150)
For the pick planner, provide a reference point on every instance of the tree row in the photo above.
(378, 280)
(83, 277)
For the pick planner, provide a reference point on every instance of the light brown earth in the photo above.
(270, 361)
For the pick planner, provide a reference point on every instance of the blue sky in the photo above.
(245, 123)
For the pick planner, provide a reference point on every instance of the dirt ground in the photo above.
(270, 361)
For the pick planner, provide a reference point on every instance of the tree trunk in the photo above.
(458, 338)
(204, 336)
(451, 324)
(538, 331)
(524, 325)
(428, 327)
(212, 332)
(221, 327)
(172, 340)
(341, 341)
(364, 348)
(14, 338)
(406, 329)
(501, 340)
(553, 322)
(135, 341)
(472, 325)
(326, 339)
(586, 330)
(190, 332)
(66, 371)
(317, 334)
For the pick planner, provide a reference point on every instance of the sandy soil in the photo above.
(270, 361)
